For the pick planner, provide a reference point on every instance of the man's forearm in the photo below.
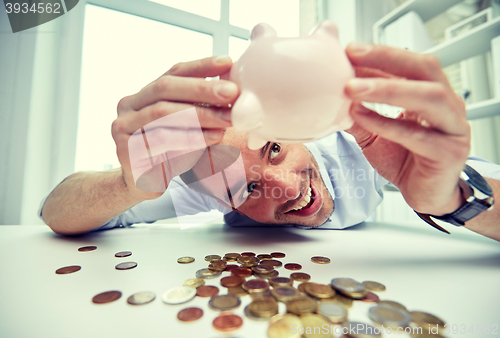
(488, 222)
(87, 200)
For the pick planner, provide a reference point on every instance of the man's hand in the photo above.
(180, 88)
(422, 151)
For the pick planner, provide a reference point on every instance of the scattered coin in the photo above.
(179, 295)
(284, 293)
(106, 297)
(341, 300)
(237, 291)
(185, 260)
(224, 302)
(301, 305)
(207, 291)
(87, 248)
(217, 265)
(272, 262)
(264, 256)
(227, 322)
(207, 274)
(392, 303)
(349, 287)
(302, 287)
(267, 275)
(247, 254)
(263, 307)
(190, 314)
(210, 258)
(311, 322)
(319, 290)
(293, 266)
(68, 269)
(123, 254)
(230, 267)
(126, 266)
(389, 316)
(424, 318)
(246, 259)
(362, 330)
(231, 281)
(251, 316)
(263, 294)
(255, 285)
(280, 281)
(140, 298)
(334, 312)
(373, 286)
(194, 282)
(262, 269)
(300, 276)
(249, 264)
(278, 254)
(242, 272)
(320, 260)
(370, 297)
(279, 326)
(232, 257)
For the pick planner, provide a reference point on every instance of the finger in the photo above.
(426, 142)
(422, 97)
(207, 67)
(396, 61)
(372, 72)
(185, 89)
(206, 118)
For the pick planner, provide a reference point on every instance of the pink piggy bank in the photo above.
(292, 89)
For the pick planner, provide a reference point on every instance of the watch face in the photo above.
(478, 181)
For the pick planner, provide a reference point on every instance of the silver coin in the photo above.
(389, 316)
(123, 254)
(332, 311)
(208, 274)
(179, 295)
(126, 266)
(347, 284)
(140, 298)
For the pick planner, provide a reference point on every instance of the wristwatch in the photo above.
(478, 195)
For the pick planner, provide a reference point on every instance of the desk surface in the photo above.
(455, 277)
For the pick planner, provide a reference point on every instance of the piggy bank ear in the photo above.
(327, 28)
(262, 30)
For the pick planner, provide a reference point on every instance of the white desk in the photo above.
(455, 277)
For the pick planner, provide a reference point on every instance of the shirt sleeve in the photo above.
(485, 168)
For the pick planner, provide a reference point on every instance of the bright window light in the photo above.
(206, 8)
(121, 54)
(282, 15)
(237, 47)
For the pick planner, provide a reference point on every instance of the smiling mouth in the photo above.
(306, 202)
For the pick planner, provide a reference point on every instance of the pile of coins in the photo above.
(308, 306)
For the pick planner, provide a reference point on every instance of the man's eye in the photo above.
(275, 150)
(251, 187)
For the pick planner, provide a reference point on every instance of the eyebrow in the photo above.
(263, 150)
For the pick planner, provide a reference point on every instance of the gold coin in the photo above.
(262, 269)
(279, 326)
(263, 294)
(185, 260)
(373, 286)
(319, 290)
(392, 303)
(249, 264)
(300, 276)
(349, 287)
(210, 258)
(280, 281)
(301, 305)
(264, 257)
(237, 291)
(424, 318)
(194, 282)
(207, 274)
(320, 260)
(314, 326)
(302, 287)
(251, 316)
(224, 302)
(263, 307)
(267, 275)
(255, 285)
(217, 265)
(389, 316)
(284, 293)
(246, 259)
(231, 257)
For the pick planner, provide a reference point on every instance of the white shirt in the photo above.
(350, 179)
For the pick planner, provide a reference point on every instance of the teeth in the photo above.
(305, 201)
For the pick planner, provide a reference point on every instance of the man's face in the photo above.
(283, 183)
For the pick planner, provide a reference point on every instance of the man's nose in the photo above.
(284, 185)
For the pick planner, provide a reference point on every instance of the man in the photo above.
(422, 152)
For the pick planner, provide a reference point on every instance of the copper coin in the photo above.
(320, 260)
(227, 322)
(230, 267)
(207, 291)
(106, 297)
(293, 266)
(126, 266)
(247, 254)
(190, 314)
(231, 281)
(242, 272)
(87, 248)
(123, 254)
(255, 285)
(272, 262)
(278, 254)
(300, 276)
(68, 269)
(264, 256)
(370, 298)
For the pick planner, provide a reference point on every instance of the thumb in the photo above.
(363, 137)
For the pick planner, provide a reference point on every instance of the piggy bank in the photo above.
(292, 89)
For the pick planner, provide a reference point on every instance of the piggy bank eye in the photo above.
(275, 150)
